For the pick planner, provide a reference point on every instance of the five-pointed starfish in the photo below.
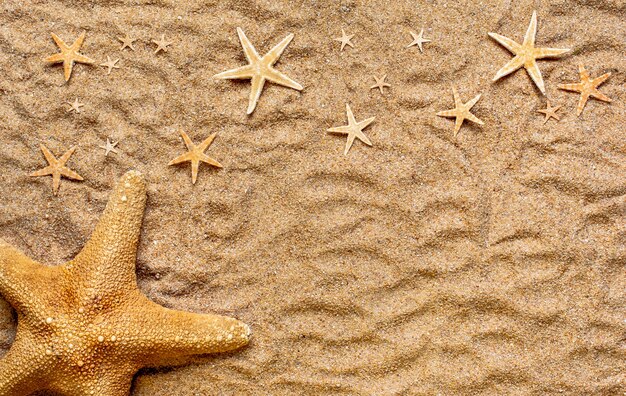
(260, 69)
(345, 40)
(84, 328)
(111, 64)
(550, 112)
(69, 54)
(587, 87)
(195, 155)
(127, 42)
(418, 40)
(75, 106)
(380, 83)
(161, 44)
(109, 148)
(353, 129)
(526, 54)
(461, 111)
(56, 168)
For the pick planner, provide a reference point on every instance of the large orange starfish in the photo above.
(84, 328)
(69, 54)
(588, 87)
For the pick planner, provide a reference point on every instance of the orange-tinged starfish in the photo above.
(57, 168)
(461, 111)
(353, 129)
(260, 69)
(550, 112)
(526, 54)
(587, 87)
(195, 155)
(84, 328)
(69, 54)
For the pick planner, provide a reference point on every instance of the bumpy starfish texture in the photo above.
(195, 155)
(418, 40)
(127, 42)
(69, 55)
(84, 328)
(75, 106)
(353, 129)
(587, 87)
(109, 148)
(161, 44)
(56, 168)
(550, 112)
(461, 111)
(345, 40)
(380, 83)
(526, 54)
(260, 69)
(110, 64)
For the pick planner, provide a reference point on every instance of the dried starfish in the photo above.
(195, 155)
(75, 106)
(161, 44)
(353, 130)
(127, 42)
(57, 168)
(526, 54)
(587, 87)
(380, 83)
(418, 40)
(109, 148)
(461, 111)
(110, 64)
(84, 328)
(260, 69)
(345, 40)
(550, 112)
(69, 54)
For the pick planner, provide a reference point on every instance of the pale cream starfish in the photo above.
(353, 130)
(418, 40)
(345, 40)
(161, 44)
(550, 112)
(380, 83)
(57, 168)
(111, 64)
(587, 87)
(69, 54)
(127, 42)
(195, 155)
(109, 148)
(84, 328)
(461, 111)
(526, 54)
(75, 106)
(260, 69)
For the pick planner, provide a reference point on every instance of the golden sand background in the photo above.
(489, 264)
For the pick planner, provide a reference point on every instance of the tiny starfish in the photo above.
(260, 69)
(461, 111)
(587, 87)
(111, 64)
(127, 42)
(75, 106)
(84, 328)
(353, 129)
(418, 40)
(161, 44)
(69, 54)
(345, 40)
(195, 155)
(550, 112)
(109, 148)
(57, 168)
(526, 54)
(380, 83)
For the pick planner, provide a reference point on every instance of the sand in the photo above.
(487, 264)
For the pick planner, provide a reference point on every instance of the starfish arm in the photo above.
(474, 119)
(83, 59)
(363, 124)
(582, 102)
(535, 74)
(49, 156)
(106, 265)
(248, 48)
(457, 98)
(68, 65)
(341, 130)
(576, 87)
(448, 113)
(180, 159)
(48, 170)
(472, 102)
(195, 165)
(207, 142)
(70, 174)
(239, 73)
(256, 88)
(584, 74)
(79, 42)
(56, 58)
(362, 137)
(509, 68)
(540, 53)
(350, 114)
(19, 374)
(208, 160)
(599, 95)
(59, 42)
(277, 77)
(531, 32)
(278, 49)
(506, 42)
(457, 124)
(66, 156)
(188, 142)
(349, 143)
(599, 80)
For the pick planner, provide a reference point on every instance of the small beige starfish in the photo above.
(109, 148)
(587, 87)
(57, 168)
(195, 155)
(380, 83)
(353, 130)
(69, 54)
(418, 40)
(526, 54)
(127, 42)
(161, 44)
(75, 106)
(345, 40)
(461, 111)
(111, 64)
(550, 112)
(260, 69)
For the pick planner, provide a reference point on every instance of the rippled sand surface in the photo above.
(492, 263)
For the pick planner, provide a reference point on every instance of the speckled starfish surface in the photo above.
(69, 54)
(84, 328)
